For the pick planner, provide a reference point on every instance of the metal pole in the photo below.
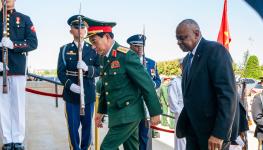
(56, 91)
(97, 146)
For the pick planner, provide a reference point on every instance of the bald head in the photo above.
(189, 23)
(188, 34)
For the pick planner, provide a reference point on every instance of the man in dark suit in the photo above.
(208, 86)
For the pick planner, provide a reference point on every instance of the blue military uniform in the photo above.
(151, 67)
(22, 36)
(68, 74)
(22, 33)
(153, 72)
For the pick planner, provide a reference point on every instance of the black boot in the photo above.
(18, 146)
(8, 146)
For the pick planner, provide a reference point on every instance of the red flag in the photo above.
(224, 35)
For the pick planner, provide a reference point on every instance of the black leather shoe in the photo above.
(18, 146)
(8, 146)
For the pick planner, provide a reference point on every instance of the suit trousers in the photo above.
(12, 109)
(179, 143)
(126, 134)
(73, 122)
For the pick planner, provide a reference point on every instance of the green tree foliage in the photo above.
(252, 69)
(237, 69)
(52, 73)
(169, 67)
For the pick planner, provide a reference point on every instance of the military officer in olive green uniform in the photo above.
(124, 83)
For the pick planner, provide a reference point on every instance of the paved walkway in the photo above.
(46, 127)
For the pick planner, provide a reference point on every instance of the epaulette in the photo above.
(123, 49)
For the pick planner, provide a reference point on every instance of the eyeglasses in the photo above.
(181, 37)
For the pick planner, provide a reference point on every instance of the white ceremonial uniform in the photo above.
(175, 98)
(12, 109)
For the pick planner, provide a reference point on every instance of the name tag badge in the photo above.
(71, 53)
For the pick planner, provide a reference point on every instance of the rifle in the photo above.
(4, 49)
(80, 72)
(143, 53)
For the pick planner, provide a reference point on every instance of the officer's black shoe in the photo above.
(18, 146)
(8, 146)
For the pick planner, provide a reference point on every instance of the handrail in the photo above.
(169, 116)
(48, 80)
(44, 78)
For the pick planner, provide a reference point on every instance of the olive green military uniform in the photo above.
(164, 102)
(125, 84)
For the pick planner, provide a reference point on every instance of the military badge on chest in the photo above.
(115, 64)
(18, 21)
(114, 53)
(153, 72)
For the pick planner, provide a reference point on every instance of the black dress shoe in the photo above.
(18, 146)
(8, 146)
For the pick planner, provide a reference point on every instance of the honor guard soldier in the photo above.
(124, 83)
(137, 43)
(68, 66)
(19, 38)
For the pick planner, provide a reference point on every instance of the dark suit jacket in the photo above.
(209, 93)
(257, 114)
(240, 123)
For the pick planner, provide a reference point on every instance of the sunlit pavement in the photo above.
(46, 127)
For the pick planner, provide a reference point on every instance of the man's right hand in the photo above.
(214, 143)
(75, 88)
(98, 121)
(155, 120)
(6, 42)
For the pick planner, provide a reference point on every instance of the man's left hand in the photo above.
(214, 143)
(82, 65)
(6, 42)
(155, 120)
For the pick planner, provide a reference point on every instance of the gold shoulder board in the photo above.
(123, 49)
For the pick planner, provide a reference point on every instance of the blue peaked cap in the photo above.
(74, 21)
(137, 39)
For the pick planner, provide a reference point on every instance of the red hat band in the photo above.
(95, 29)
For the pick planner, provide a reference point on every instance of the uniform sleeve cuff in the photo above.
(68, 84)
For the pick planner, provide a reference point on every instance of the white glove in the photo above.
(6, 42)
(82, 65)
(1, 45)
(240, 141)
(2, 67)
(75, 88)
